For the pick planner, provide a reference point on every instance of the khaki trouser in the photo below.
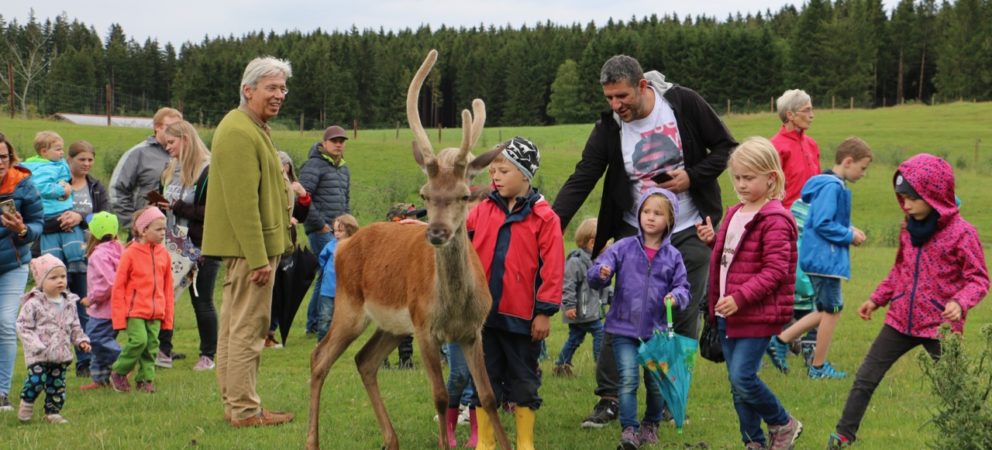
(245, 313)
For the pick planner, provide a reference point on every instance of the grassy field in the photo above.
(186, 411)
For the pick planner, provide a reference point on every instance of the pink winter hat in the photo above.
(42, 265)
(146, 218)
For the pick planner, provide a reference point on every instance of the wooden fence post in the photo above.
(852, 102)
(354, 127)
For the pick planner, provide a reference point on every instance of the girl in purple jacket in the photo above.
(751, 284)
(939, 275)
(648, 269)
(103, 254)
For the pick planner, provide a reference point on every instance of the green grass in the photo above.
(186, 412)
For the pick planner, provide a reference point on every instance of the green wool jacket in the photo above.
(246, 197)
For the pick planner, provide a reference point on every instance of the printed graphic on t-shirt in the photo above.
(658, 151)
(728, 250)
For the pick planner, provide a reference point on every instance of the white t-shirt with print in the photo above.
(651, 146)
(734, 231)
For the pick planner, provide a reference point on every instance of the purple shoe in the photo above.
(119, 382)
(649, 433)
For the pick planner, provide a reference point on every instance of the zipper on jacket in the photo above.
(912, 293)
(154, 286)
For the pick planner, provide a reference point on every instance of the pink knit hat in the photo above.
(42, 265)
(146, 218)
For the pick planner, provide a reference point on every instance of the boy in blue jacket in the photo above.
(824, 254)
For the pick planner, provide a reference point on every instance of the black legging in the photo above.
(203, 307)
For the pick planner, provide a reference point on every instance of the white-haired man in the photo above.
(246, 224)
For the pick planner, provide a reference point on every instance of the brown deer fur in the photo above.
(414, 279)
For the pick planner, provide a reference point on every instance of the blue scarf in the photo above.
(920, 231)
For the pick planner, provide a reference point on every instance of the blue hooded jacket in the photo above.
(638, 307)
(827, 233)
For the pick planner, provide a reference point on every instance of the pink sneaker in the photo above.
(146, 386)
(205, 363)
(119, 382)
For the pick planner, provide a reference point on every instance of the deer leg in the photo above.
(324, 356)
(368, 360)
(484, 389)
(431, 357)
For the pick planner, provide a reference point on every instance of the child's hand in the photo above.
(866, 309)
(859, 237)
(726, 306)
(570, 313)
(952, 311)
(540, 328)
(67, 188)
(85, 301)
(85, 347)
(604, 273)
(704, 230)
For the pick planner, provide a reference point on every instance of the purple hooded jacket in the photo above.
(638, 307)
(949, 266)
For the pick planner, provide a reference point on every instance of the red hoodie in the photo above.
(949, 266)
(143, 286)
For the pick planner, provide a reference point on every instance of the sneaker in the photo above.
(55, 419)
(463, 414)
(825, 371)
(783, 437)
(177, 356)
(83, 372)
(777, 351)
(263, 418)
(755, 446)
(604, 412)
(5, 403)
(807, 349)
(562, 370)
(146, 387)
(162, 360)
(838, 442)
(26, 411)
(649, 433)
(205, 363)
(94, 386)
(271, 342)
(119, 382)
(405, 364)
(629, 440)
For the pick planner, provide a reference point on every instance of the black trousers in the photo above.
(888, 347)
(203, 308)
(511, 361)
(696, 257)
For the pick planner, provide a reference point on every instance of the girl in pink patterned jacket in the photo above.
(939, 275)
(48, 327)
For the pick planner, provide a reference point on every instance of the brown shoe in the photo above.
(146, 386)
(263, 418)
(94, 385)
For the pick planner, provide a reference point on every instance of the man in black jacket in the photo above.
(328, 180)
(656, 134)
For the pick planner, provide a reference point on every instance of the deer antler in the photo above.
(413, 115)
(472, 127)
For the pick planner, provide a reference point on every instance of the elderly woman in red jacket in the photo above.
(799, 153)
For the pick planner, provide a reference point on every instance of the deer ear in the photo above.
(427, 163)
(480, 162)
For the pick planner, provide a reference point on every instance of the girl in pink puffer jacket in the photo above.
(939, 275)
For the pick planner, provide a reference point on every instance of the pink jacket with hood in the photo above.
(46, 331)
(101, 269)
(949, 266)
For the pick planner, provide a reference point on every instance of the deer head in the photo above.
(450, 171)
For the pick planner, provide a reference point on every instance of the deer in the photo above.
(424, 280)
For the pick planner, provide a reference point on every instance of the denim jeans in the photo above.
(753, 400)
(460, 384)
(324, 316)
(625, 352)
(105, 349)
(11, 288)
(77, 285)
(576, 334)
(317, 243)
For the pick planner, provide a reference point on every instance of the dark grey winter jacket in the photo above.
(577, 294)
(330, 187)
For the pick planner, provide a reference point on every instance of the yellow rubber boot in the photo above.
(525, 428)
(487, 440)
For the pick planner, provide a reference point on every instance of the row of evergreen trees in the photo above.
(548, 73)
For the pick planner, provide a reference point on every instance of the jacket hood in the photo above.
(816, 184)
(675, 210)
(933, 179)
(15, 175)
(36, 294)
(657, 80)
(315, 151)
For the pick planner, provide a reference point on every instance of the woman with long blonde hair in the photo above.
(184, 187)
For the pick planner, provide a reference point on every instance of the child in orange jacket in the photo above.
(142, 301)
